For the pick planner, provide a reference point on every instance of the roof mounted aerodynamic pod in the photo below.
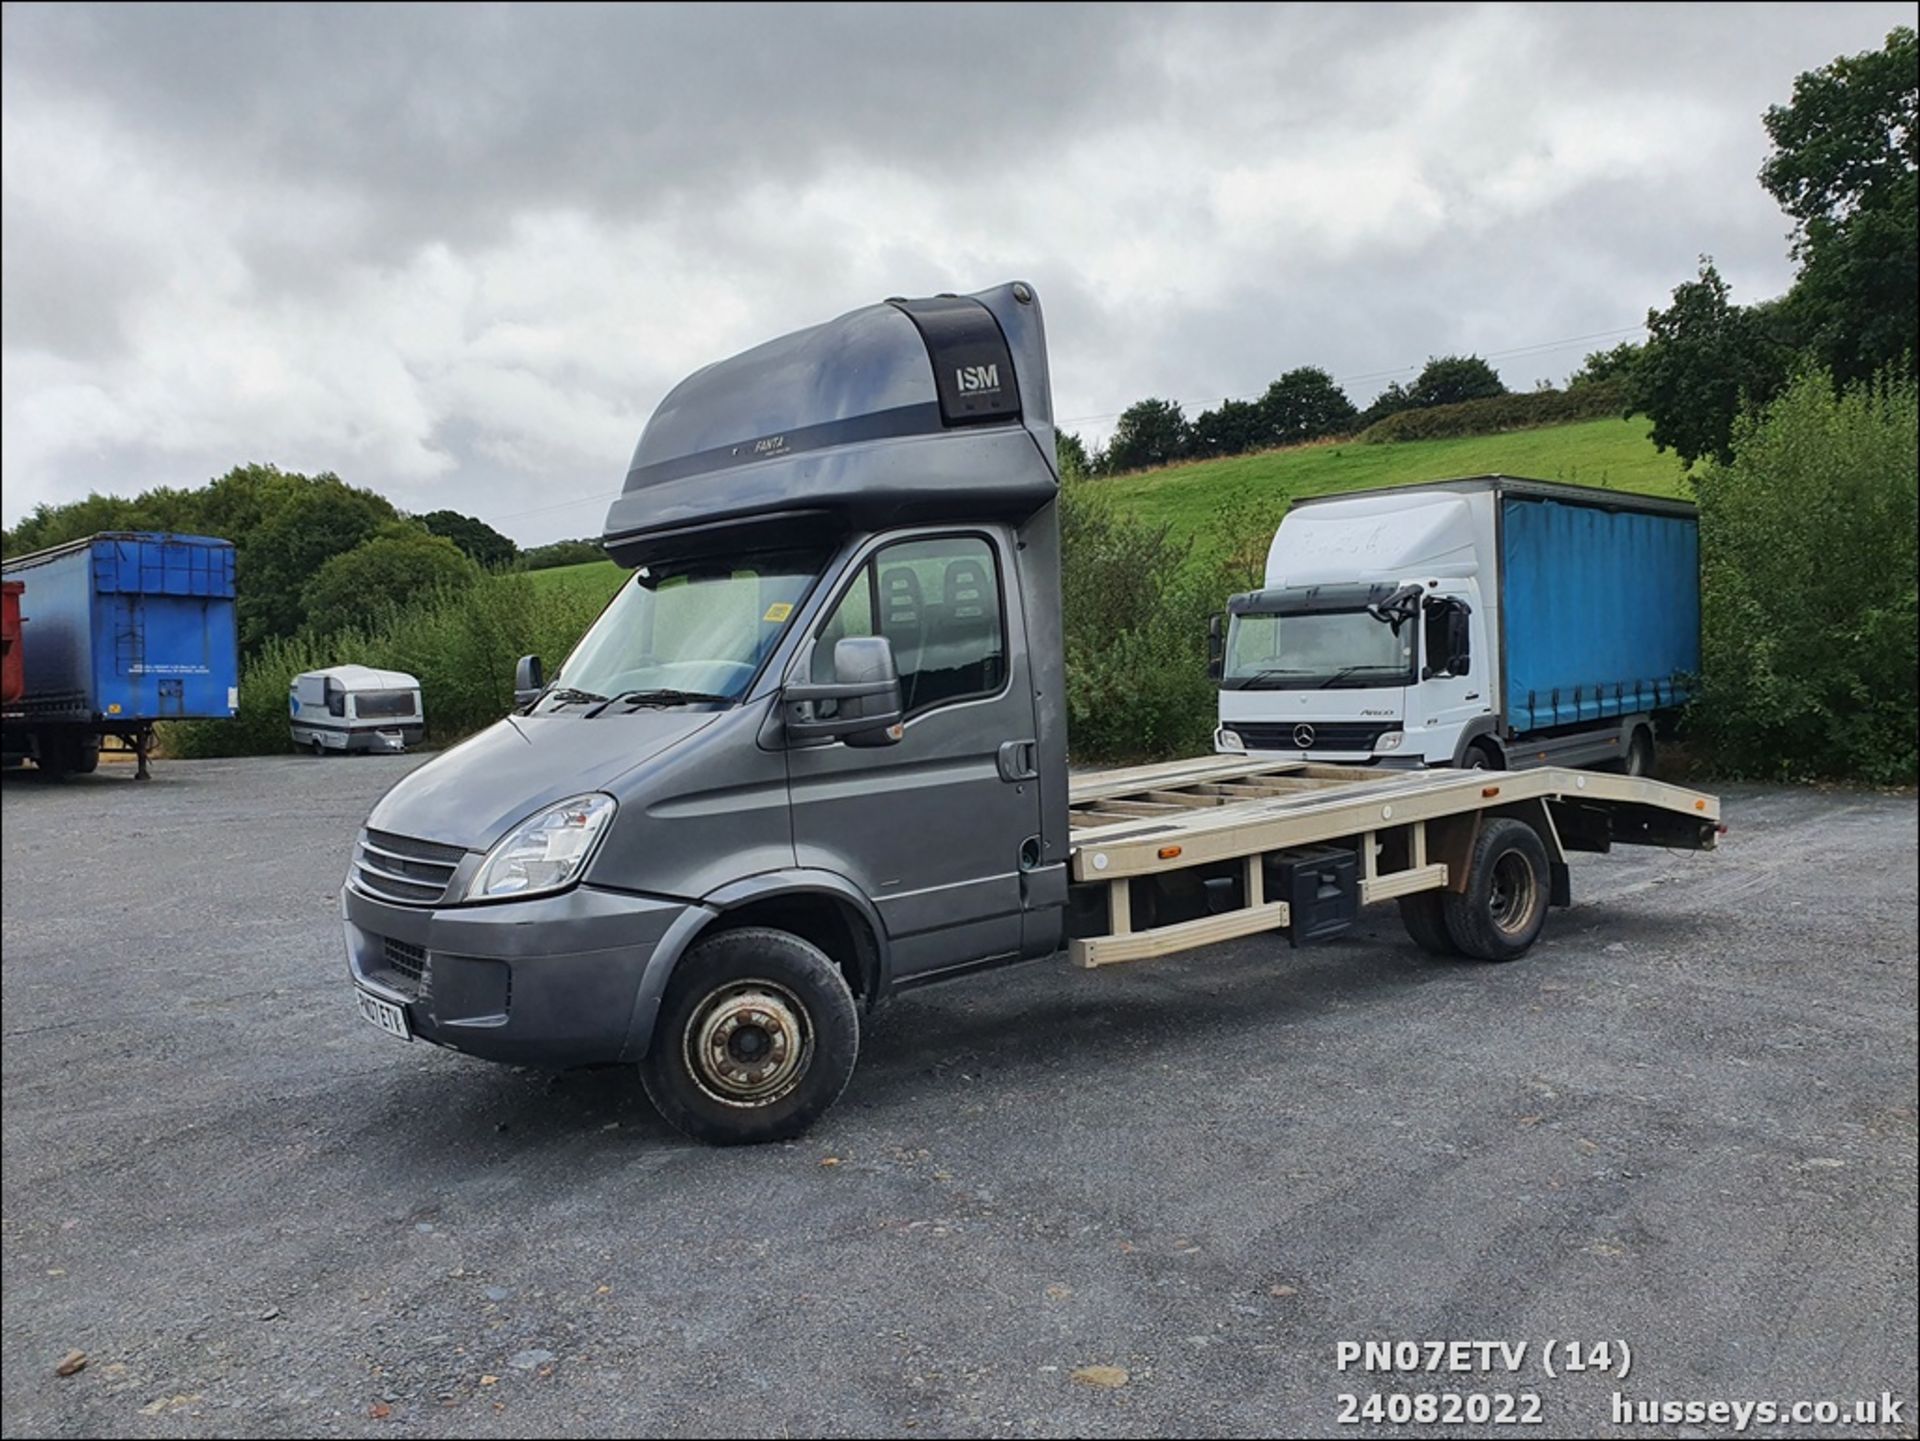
(907, 409)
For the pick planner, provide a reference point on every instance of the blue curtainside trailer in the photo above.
(121, 630)
(1601, 610)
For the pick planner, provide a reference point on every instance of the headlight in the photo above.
(1230, 740)
(546, 852)
(1389, 740)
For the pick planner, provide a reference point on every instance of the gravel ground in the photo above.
(1687, 1122)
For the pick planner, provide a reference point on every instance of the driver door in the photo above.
(932, 827)
(1450, 693)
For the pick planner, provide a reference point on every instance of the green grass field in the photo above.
(1611, 453)
(597, 577)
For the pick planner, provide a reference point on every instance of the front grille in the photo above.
(407, 967)
(399, 868)
(1327, 735)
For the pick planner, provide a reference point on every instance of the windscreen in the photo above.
(699, 626)
(1316, 649)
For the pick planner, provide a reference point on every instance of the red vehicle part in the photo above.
(13, 673)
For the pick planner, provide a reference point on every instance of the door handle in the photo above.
(1018, 760)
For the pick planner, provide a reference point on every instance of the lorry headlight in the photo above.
(545, 852)
(1390, 740)
(1230, 740)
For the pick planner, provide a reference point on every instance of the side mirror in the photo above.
(866, 703)
(1216, 648)
(527, 679)
(1459, 640)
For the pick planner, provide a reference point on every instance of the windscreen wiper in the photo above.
(1343, 673)
(565, 694)
(1262, 679)
(663, 696)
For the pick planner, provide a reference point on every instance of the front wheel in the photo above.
(1639, 760)
(1480, 756)
(757, 1037)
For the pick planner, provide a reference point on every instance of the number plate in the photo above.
(388, 1017)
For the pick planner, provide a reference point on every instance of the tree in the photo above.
(1233, 429)
(479, 540)
(1450, 379)
(562, 552)
(1150, 432)
(1808, 602)
(1391, 401)
(1846, 154)
(399, 564)
(1704, 358)
(324, 517)
(1605, 365)
(1070, 455)
(1304, 404)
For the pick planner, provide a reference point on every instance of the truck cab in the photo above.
(812, 752)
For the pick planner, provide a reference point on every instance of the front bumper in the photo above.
(548, 981)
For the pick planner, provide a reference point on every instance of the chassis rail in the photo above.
(1210, 830)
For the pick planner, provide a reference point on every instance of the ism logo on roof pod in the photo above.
(978, 377)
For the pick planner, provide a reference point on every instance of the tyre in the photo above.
(1509, 885)
(1481, 757)
(58, 755)
(1639, 757)
(315, 746)
(757, 1037)
(1424, 916)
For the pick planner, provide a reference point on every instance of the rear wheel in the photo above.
(757, 1037)
(1424, 916)
(61, 754)
(1499, 915)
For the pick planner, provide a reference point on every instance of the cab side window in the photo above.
(938, 604)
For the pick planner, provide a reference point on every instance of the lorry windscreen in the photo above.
(701, 625)
(1339, 649)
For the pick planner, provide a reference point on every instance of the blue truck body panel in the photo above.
(1600, 610)
(129, 627)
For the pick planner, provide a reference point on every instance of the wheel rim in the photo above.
(749, 1043)
(1511, 897)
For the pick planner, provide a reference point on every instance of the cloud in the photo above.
(459, 253)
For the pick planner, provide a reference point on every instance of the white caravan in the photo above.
(355, 708)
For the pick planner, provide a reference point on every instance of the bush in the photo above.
(1808, 575)
(562, 552)
(1136, 603)
(399, 563)
(462, 644)
(1596, 400)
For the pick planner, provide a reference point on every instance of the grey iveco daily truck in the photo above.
(814, 751)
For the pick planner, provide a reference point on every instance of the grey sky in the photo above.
(457, 253)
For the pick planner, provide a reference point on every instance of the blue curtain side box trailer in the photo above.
(121, 630)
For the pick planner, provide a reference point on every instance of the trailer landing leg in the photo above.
(142, 748)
